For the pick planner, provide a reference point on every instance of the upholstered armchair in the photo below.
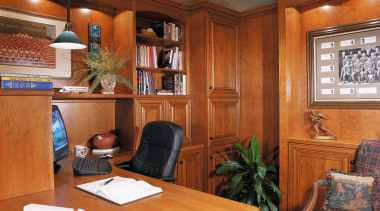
(367, 166)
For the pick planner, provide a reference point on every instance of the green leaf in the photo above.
(243, 153)
(272, 168)
(271, 205)
(261, 170)
(264, 207)
(236, 179)
(229, 166)
(276, 190)
(255, 149)
(259, 189)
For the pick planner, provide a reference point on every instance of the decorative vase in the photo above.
(108, 83)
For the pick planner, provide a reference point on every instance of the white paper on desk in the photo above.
(121, 190)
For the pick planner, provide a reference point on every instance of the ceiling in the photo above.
(237, 5)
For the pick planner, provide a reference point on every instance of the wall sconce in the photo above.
(67, 39)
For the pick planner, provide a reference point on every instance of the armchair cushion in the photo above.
(349, 191)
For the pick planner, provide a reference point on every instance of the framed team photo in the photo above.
(24, 44)
(343, 65)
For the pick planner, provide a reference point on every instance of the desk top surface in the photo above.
(66, 194)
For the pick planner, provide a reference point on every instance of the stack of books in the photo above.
(175, 82)
(169, 31)
(146, 56)
(171, 58)
(144, 83)
(25, 81)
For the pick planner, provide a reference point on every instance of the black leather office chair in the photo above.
(158, 151)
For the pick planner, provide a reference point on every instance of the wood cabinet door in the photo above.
(217, 184)
(26, 146)
(190, 168)
(224, 121)
(224, 70)
(179, 112)
(147, 110)
(308, 163)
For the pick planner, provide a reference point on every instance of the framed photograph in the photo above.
(24, 44)
(343, 65)
(94, 47)
(94, 33)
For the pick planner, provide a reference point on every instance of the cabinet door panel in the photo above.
(217, 184)
(224, 117)
(147, 110)
(190, 169)
(178, 111)
(224, 58)
(308, 163)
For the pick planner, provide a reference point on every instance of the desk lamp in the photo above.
(67, 39)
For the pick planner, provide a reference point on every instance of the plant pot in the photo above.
(108, 83)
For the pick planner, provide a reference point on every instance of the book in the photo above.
(24, 75)
(74, 89)
(11, 78)
(120, 190)
(26, 85)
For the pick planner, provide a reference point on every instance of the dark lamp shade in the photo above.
(67, 40)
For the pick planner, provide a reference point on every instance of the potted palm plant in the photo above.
(251, 181)
(103, 67)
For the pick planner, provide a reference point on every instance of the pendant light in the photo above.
(67, 39)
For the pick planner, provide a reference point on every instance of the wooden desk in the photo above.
(174, 197)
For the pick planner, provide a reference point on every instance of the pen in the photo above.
(108, 181)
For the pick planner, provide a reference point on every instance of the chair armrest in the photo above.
(125, 165)
(314, 194)
(167, 179)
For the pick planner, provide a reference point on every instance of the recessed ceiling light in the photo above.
(85, 10)
(326, 7)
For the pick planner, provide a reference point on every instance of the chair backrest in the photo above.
(368, 157)
(368, 163)
(159, 148)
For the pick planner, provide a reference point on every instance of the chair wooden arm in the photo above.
(314, 195)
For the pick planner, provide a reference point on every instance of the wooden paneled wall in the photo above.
(351, 126)
(80, 19)
(259, 76)
(347, 124)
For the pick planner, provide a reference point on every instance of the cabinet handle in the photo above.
(211, 157)
(211, 138)
(210, 87)
(181, 162)
(352, 161)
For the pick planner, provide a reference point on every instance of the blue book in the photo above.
(26, 85)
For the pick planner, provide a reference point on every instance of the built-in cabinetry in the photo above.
(209, 113)
(26, 146)
(174, 109)
(213, 45)
(190, 167)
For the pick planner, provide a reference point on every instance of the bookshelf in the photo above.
(160, 51)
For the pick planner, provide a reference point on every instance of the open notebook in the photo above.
(120, 190)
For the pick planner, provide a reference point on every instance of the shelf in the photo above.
(25, 92)
(152, 69)
(62, 96)
(156, 41)
(66, 96)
